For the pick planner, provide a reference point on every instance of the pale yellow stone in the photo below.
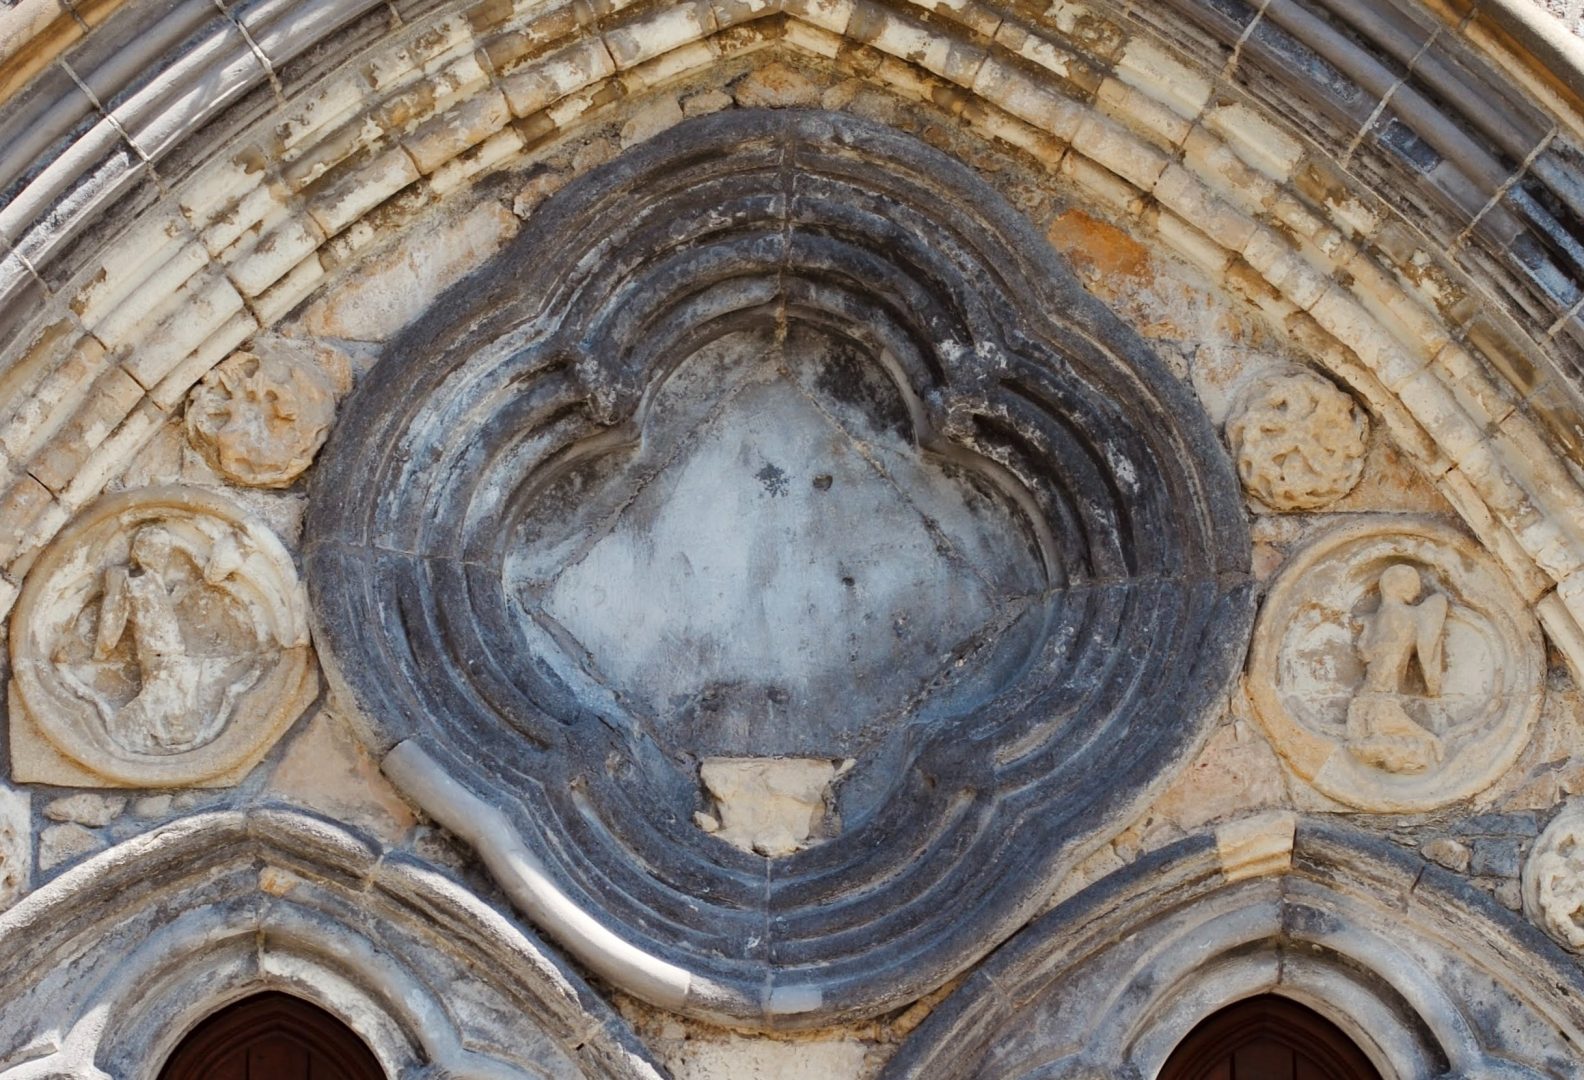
(326, 769)
(1256, 846)
(651, 120)
(156, 346)
(1256, 139)
(1236, 771)
(115, 697)
(1162, 76)
(776, 86)
(387, 293)
(1393, 666)
(772, 806)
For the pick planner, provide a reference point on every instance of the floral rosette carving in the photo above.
(1299, 441)
(258, 418)
(1553, 878)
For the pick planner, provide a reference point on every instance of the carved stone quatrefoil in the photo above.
(783, 438)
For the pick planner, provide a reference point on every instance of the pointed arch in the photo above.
(116, 960)
(1428, 975)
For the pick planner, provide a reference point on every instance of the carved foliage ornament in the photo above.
(1393, 666)
(1299, 441)
(1553, 878)
(258, 418)
(161, 640)
(703, 488)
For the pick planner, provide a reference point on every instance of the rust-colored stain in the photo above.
(1098, 250)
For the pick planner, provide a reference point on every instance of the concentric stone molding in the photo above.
(112, 962)
(230, 164)
(1044, 733)
(1427, 973)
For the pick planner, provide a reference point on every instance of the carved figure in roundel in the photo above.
(258, 418)
(1299, 441)
(1553, 878)
(162, 639)
(1394, 667)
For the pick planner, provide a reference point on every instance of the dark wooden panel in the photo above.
(1267, 1038)
(272, 1037)
(1265, 1059)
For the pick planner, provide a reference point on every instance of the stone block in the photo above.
(66, 843)
(1452, 854)
(94, 811)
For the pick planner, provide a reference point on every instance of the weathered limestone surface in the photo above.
(162, 641)
(1343, 237)
(787, 498)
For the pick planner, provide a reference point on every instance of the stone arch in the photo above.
(117, 959)
(232, 164)
(1429, 976)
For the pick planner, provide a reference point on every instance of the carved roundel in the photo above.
(1553, 878)
(804, 566)
(161, 639)
(1394, 667)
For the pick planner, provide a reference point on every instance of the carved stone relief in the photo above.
(259, 417)
(1553, 878)
(773, 806)
(702, 472)
(1299, 441)
(1393, 666)
(161, 640)
(16, 845)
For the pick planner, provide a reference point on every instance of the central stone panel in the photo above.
(778, 568)
(774, 567)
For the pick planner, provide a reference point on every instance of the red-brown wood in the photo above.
(272, 1037)
(1267, 1038)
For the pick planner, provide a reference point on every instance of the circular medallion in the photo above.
(1553, 878)
(161, 639)
(779, 538)
(1394, 667)
(1299, 441)
(258, 418)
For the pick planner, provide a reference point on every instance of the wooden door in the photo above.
(272, 1037)
(1267, 1038)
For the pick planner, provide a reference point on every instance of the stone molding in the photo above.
(438, 498)
(113, 961)
(1482, 400)
(161, 641)
(1406, 746)
(1427, 973)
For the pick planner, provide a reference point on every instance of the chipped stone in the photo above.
(65, 843)
(95, 811)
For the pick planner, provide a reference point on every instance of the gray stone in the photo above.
(1106, 984)
(436, 982)
(1522, 823)
(949, 524)
(1496, 858)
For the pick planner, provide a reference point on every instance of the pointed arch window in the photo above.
(272, 1036)
(1267, 1038)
